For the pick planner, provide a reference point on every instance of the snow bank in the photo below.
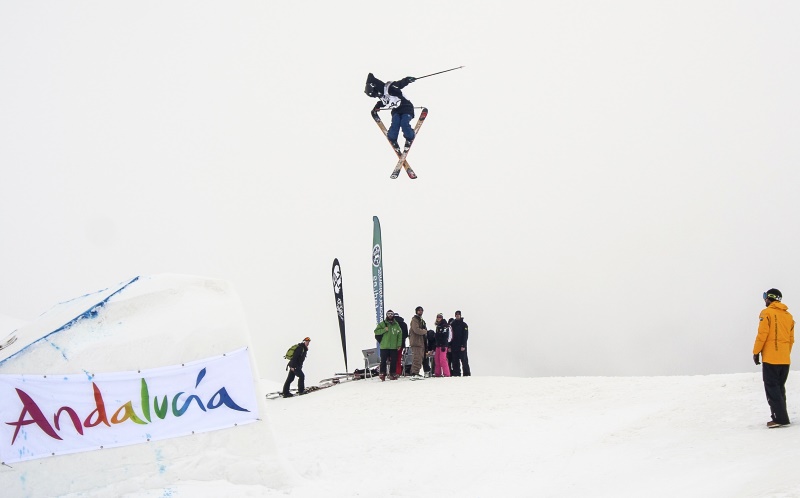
(144, 323)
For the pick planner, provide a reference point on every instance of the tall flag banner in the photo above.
(338, 294)
(377, 271)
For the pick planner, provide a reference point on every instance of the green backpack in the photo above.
(290, 352)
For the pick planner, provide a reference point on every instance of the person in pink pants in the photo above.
(443, 335)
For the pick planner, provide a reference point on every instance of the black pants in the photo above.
(301, 381)
(459, 359)
(775, 386)
(391, 355)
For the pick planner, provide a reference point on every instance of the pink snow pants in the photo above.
(440, 366)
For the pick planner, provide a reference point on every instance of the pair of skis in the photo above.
(401, 153)
(9, 342)
(323, 384)
(310, 389)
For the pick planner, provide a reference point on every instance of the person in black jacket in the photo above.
(295, 367)
(391, 95)
(400, 360)
(458, 346)
(430, 347)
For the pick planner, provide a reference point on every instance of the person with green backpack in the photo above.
(296, 356)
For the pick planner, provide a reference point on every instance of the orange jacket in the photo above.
(775, 334)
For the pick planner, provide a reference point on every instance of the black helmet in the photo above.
(773, 295)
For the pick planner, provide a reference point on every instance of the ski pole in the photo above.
(440, 72)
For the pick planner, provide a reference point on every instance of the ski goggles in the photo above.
(766, 296)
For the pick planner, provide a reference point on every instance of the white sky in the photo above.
(605, 189)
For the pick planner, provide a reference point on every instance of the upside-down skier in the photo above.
(390, 95)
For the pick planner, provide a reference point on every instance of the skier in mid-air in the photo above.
(390, 95)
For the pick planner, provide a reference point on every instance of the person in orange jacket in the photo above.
(774, 343)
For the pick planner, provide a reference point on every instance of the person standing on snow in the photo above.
(416, 339)
(430, 351)
(295, 367)
(774, 342)
(443, 337)
(458, 346)
(391, 95)
(404, 327)
(390, 335)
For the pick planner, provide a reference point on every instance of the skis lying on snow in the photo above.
(310, 389)
(9, 342)
(401, 154)
(339, 378)
(323, 384)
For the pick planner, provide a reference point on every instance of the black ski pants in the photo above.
(391, 355)
(459, 360)
(301, 381)
(775, 386)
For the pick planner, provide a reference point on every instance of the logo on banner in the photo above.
(31, 413)
(376, 255)
(64, 414)
(337, 279)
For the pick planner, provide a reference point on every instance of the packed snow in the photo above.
(466, 436)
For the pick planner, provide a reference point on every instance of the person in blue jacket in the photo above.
(390, 95)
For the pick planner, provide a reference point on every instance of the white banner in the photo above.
(50, 415)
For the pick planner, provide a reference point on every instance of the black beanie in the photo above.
(374, 86)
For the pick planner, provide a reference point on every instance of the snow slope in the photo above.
(559, 436)
(477, 436)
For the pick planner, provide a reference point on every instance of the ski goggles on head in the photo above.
(766, 296)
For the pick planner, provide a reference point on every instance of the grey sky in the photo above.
(605, 188)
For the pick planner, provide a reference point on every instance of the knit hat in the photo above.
(374, 86)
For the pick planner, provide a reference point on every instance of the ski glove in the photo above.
(755, 359)
(411, 79)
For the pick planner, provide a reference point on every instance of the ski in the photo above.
(311, 389)
(402, 157)
(338, 379)
(397, 149)
(9, 342)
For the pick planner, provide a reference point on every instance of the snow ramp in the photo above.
(144, 323)
(59, 318)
